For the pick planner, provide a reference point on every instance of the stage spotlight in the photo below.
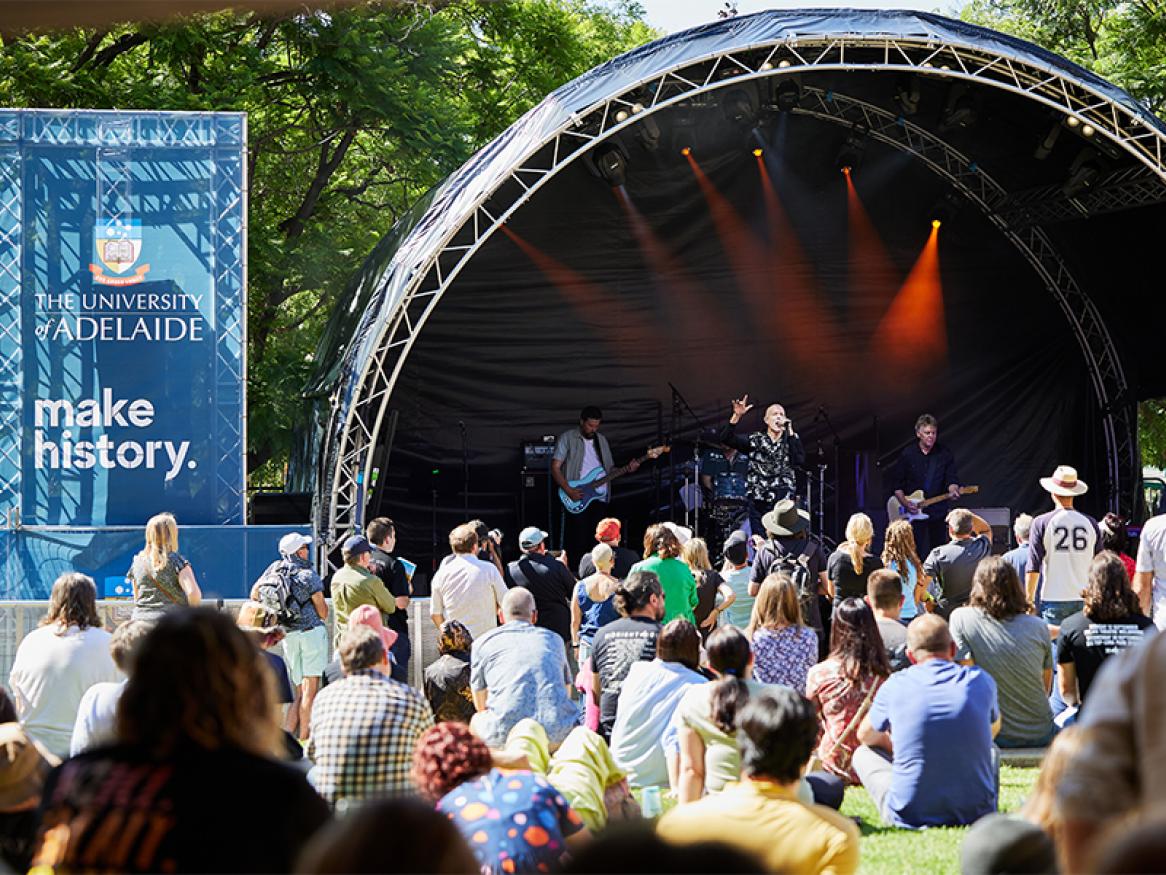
(740, 107)
(945, 209)
(1046, 145)
(637, 108)
(1088, 131)
(610, 163)
(1073, 121)
(686, 151)
(850, 153)
(648, 133)
(935, 223)
(960, 111)
(788, 95)
(1084, 173)
(621, 116)
(766, 66)
(757, 153)
(907, 94)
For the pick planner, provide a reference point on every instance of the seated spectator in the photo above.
(1134, 847)
(999, 844)
(520, 670)
(784, 647)
(197, 729)
(465, 587)
(941, 717)
(737, 573)
(608, 531)
(900, 556)
(762, 815)
(447, 679)
(619, 644)
(262, 625)
(640, 741)
(843, 686)
(424, 842)
(996, 632)
(58, 662)
(592, 605)
(1121, 767)
(24, 765)
(638, 848)
(952, 565)
(1115, 537)
(662, 558)
(884, 593)
(1111, 621)
(514, 821)
(354, 585)
(97, 713)
(787, 546)
(364, 727)
(709, 585)
(547, 579)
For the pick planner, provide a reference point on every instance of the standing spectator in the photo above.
(447, 679)
(953, 564)
(354, 585)
(382, 534)
(661, 558)
(514, 821)
(941, 718)
(96, 722)
(466, 588)
(900, 556)
(197, 728)
(520, 670)
(996, 632)
(160, 576)
(787, 547)
(1017, 557)
(843, 686)
(24, 765)
(618, 645)
(305, 647)
(593, 606)
(1062, 544)
(851, 564)
(884, 594)
(1149, 581)
(737, 573)
(763, 815)
(709, 585)
(545, 578)
(364, 727)
(641, 743)
(1110, 622)
(58, 662)
(1115, 537)
(608, 532)
(784, 647)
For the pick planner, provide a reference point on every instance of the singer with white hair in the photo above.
(774, 456)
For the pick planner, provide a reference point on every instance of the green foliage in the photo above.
(353, 113)
(1152, 432)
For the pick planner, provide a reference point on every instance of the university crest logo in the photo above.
(119, 243)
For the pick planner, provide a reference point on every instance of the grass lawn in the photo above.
(893, 851)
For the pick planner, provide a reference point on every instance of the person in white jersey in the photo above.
(1061, 545)
(1150, 572)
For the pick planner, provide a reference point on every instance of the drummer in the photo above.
(722, 475)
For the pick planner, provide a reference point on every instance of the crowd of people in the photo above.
(642, 711)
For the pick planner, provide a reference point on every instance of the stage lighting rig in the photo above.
(740, 107)
(907, 94)
(853, 147)
(610, 163)
(788, 94)
(1084, 173)
(945, 209)
(647, 134)
(960, 110)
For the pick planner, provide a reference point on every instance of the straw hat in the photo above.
(1064, 482)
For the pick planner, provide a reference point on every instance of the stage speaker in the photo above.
(1000, 519)
(279, 508)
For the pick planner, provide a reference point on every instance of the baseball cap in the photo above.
(355, 545)
(683, 533)
(531, 536)
(607, 530)
(291, 542)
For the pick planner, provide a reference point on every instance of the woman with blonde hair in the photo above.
(161, 577)
(900, 556)
(784, 647)
(592, 606)
(851, 564)
(709, 584)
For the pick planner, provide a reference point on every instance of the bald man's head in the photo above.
(518, 604)
(928, 636)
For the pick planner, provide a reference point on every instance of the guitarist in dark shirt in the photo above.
(929, 466)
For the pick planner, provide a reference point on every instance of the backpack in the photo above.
(797, 567)
(273, 590)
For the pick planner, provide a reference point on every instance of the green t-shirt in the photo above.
(678, 584)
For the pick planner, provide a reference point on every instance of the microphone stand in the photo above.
(679, 400)
(837, 445)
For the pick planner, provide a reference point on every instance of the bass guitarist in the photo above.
(929, 466)
(580, 451)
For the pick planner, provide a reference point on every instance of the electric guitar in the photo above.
(593, 484)
(896, 511)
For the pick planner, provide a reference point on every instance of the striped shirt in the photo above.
(1061, 545)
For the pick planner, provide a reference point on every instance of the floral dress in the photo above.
(785, 655)
(841, 705)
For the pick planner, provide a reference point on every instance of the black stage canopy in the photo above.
(585, 258)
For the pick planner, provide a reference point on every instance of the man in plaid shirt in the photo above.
(364, 727)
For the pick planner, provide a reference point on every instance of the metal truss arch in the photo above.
(426, 265)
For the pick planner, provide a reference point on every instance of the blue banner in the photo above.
(122, 271)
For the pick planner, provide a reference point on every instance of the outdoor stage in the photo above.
(681, 216)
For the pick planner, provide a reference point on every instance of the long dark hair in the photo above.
(855, 641)
(996, 589)
(1114, 535)
(1108, 596)
(729, 654)
(73, 602)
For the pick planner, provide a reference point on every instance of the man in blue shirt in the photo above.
(942, 717)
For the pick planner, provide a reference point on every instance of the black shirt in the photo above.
(447, 687)
(617, 646)
(197, 811)
(775, 549)
(283, 688)
(1087, 644)
(551, 584)
(932, 473)
(623, 558)
(772, 463)
(847, 583)
(390, 570)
